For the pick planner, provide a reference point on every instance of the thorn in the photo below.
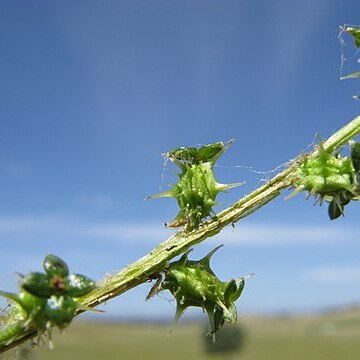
(245, 277)
(88, 308)
(21, 276)
(298, 190)
(160, 195)
(224, 187)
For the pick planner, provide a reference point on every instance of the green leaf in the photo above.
(239, 290)
(355, 155)
(230, 315)
(335, 209)
(77, 285)
(183, 155)
(37, 284)
(230, 291)
(216, 318)
(210, 152)
(53, 265)
(60, 310)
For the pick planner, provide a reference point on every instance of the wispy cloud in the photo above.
(26, 223)
(99, 201)
(45, 227)
(349, 273)
(95, 248)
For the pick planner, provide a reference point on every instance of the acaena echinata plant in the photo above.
(148, 268)
(55, 299)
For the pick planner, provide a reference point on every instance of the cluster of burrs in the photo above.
(197, 187)
(193, 283)
(330, 177)
(49, 299)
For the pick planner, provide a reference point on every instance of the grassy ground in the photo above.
(330, 336)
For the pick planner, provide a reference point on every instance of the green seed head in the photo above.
(325, 175)
(197, 187)
(193, 283)
(195, 193)
(329, 177)
(47, 299)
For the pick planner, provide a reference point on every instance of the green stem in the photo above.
(147, 267)
(13, 334)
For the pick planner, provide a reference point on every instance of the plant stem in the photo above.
(150, 265)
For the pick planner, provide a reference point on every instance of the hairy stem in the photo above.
(147, 267)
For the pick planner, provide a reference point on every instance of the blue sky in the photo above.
(92, 92)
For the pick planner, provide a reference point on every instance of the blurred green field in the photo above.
(327, 336)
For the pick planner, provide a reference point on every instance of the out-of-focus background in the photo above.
(92, 92)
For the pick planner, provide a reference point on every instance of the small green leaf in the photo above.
(11, 296)
(53, 265)
(219, 319)
(345, 197)
(60, 310)
(37, 284)
(77, 285)
(335, 209)
(28, 308)
(210, 152)
(183, 155)
(239, 290)
(355, 155)
(230, 291)
(230, 315)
